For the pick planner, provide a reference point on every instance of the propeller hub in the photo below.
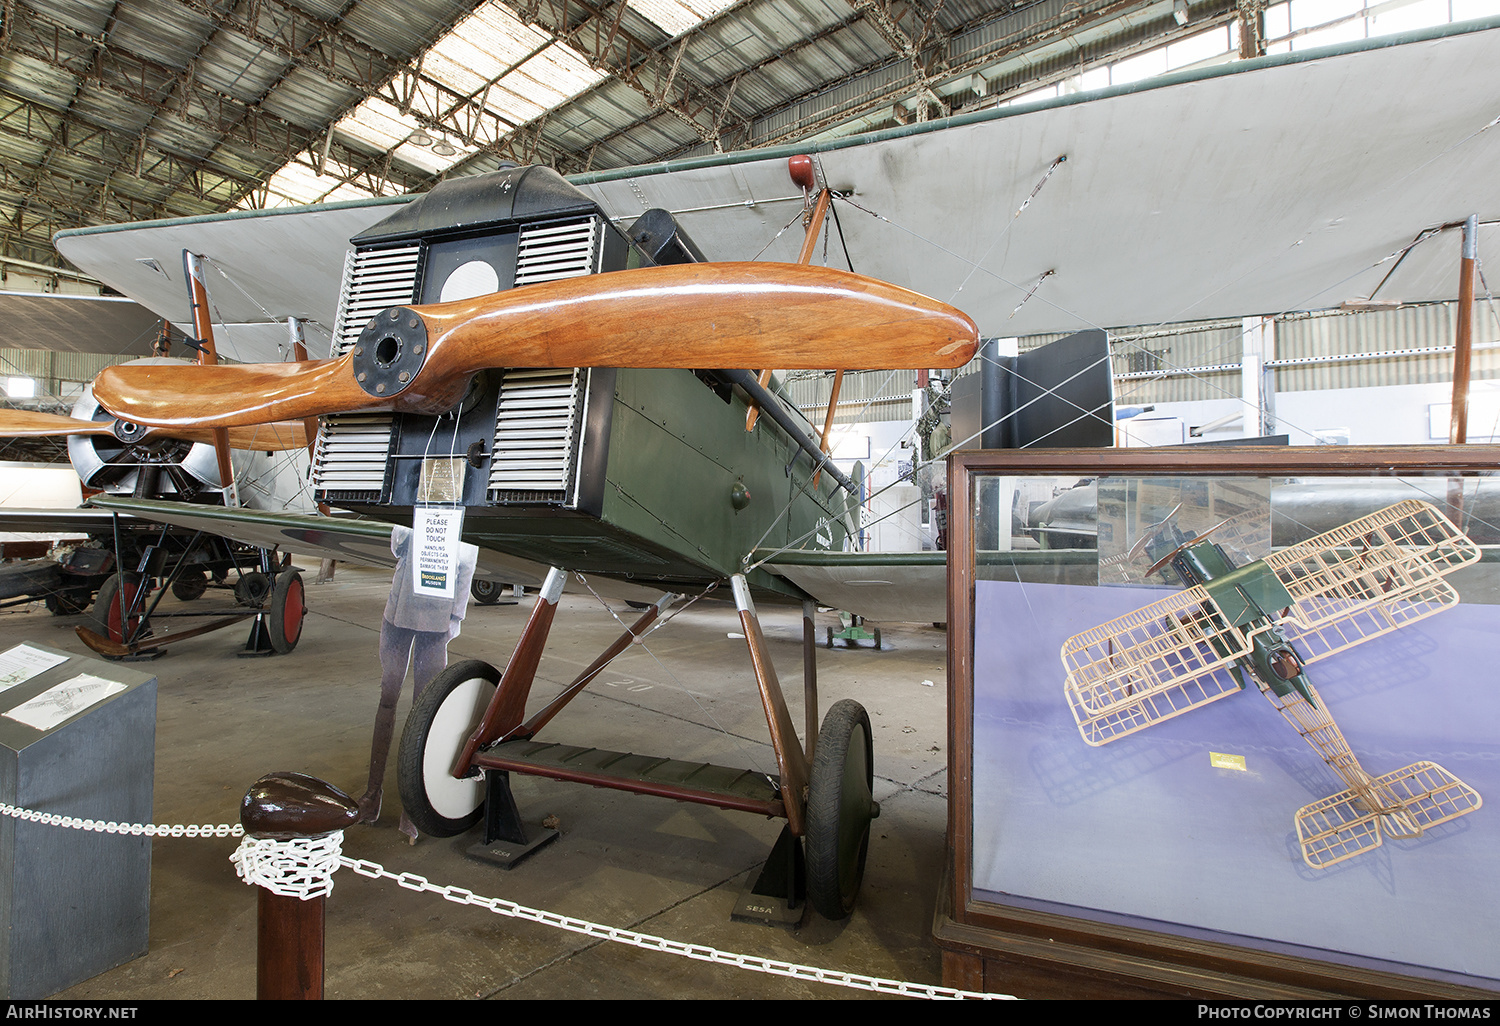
(390, 352)
(129, 433)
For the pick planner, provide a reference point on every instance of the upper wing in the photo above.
(1370, 576)
(265, 266)
(1145, 225)
(1150, 665)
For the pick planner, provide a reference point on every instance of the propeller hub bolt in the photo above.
(390, 351)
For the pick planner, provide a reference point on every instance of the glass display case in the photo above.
(1222, 721)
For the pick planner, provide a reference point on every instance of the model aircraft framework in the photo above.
(1269, 619)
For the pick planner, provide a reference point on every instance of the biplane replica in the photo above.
(575, 362)
(1269, 620)
(502, 346)
(137, 565)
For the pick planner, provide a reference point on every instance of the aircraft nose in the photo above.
(390, 352)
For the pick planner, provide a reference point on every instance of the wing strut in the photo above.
(801, 169)
(208, 356)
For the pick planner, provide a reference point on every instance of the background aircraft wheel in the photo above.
(436, 729)
(252, 588)
(116, 596)
(288, 608)
(190, 585)
(486, 593)
(830, 637)
(877, 639)
(68, 601)
(839, 809)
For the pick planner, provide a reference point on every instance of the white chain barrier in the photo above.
(134, 829)
(699, 952)
(303, 867)
(300, 867)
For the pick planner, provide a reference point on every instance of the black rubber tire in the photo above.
(486, 593)
(252, 589)
(436, 729)
(288, 608)
(68, 601)
(190, 585)
(830, 637)
(108, 607)
(876, 632)
(840, 805)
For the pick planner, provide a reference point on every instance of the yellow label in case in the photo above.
(1218, 760)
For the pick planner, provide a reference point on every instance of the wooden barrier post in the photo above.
(289, 933)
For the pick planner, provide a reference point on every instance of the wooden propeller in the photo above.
(419, 359)
(275, 437)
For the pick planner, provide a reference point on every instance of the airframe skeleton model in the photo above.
(1269, 619)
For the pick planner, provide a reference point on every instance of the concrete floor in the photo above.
(640, 863)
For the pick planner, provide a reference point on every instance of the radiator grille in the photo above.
(353, 448)
(352, 453)
(536, 435)
(373, 280)
(548, 252)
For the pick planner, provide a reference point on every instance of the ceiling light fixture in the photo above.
(420, 138)
(443, 148)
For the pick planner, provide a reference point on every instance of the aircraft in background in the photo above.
(551, 356)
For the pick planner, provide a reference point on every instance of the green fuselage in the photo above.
(1248, 597)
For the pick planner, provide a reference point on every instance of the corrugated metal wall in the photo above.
(864, 397)
(48, 368)
(1185, 362)
(1176, 363)
(1312, 350)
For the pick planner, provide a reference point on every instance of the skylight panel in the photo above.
(297, 184)
(378, 123)
(462, 68)
(674, 17)
(513, 105)
(499, 33)
(559, 74)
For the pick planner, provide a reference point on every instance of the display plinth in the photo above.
(74, 903)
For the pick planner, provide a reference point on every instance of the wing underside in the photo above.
(1150, 665)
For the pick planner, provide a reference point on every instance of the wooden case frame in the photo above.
(1012, 949)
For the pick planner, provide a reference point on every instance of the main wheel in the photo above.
(288, 607)
(190, 585)
(436, 730)
(115, 598)
(486, 593)
(840, 806)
